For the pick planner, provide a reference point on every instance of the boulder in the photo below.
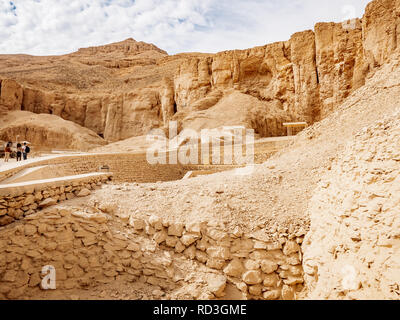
(84, 193)
(47, 203)
(216, 285)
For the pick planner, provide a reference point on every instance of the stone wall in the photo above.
(260, 269)
(125, 167)
(91, 249)
(23, 199)
(82, 249)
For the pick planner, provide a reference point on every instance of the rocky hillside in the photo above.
(351, 251)
(47, 131)
(124, 89)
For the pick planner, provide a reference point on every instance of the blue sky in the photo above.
(45, 27)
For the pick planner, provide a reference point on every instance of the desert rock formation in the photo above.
(125, 89)
(47, 131)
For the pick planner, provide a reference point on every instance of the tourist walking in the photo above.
(19, 152)
(7, 151)
(25, 151)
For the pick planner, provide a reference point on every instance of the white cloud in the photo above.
(44, 27)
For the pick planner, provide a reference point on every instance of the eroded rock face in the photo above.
(262, 72)
(11, 94)
(340, 61)
(192, 82)
(380, 26)
(307, 103)
(307, 77)
(131, 114)
(127, 88)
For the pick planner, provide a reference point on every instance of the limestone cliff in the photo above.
(340, 62)
(127, 88)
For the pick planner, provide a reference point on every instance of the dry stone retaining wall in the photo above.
(259, 269)
(125, 167)
(23, 199)
(89, 249)
(81, 247)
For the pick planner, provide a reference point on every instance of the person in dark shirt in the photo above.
(25, 151)
(19, 152)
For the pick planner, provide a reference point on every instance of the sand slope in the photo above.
(47, 131)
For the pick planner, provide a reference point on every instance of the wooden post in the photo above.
(292, 127)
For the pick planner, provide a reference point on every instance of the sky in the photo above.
(49, 27)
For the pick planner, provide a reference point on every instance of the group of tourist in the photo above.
(22, 151)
